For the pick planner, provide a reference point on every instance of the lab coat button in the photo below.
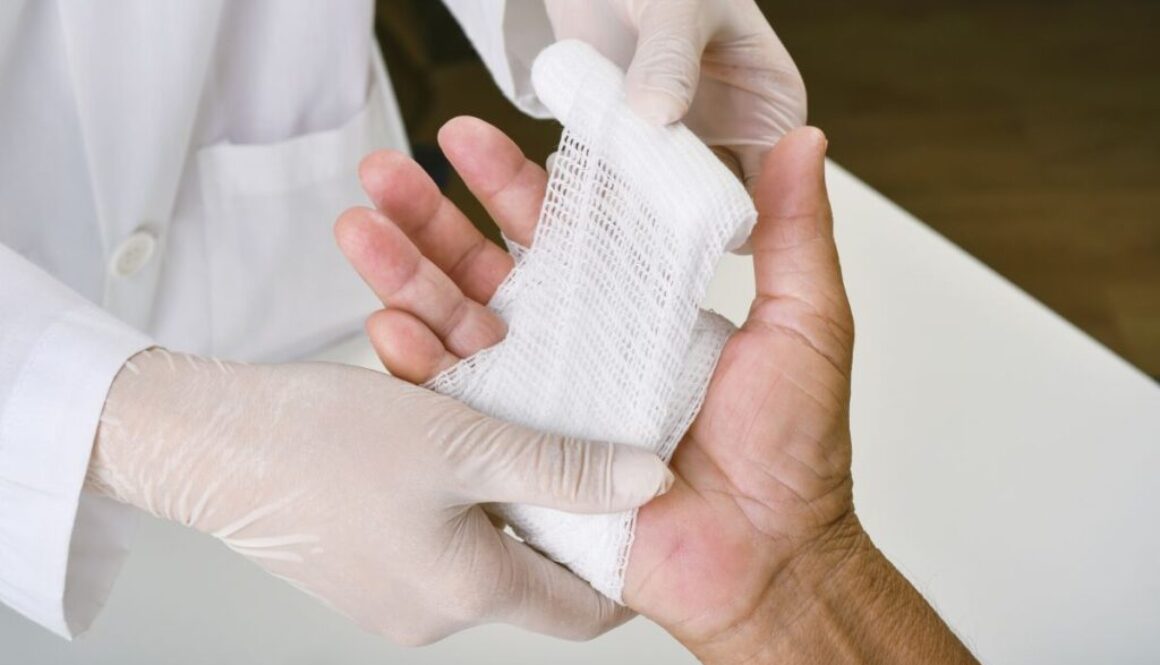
(133, 253)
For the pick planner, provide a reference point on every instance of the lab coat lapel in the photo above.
(138, 71)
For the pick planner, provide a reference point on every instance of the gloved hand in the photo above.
(716, 64)
(362, 490)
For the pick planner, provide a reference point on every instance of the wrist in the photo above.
(154, 406)
(820, 571)
(839, 601)
(109, 471)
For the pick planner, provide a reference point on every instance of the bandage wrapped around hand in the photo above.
(605, 335)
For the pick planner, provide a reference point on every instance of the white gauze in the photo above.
(605, 337)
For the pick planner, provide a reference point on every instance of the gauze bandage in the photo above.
(605, 337)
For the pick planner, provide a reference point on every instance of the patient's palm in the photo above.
(763, 471)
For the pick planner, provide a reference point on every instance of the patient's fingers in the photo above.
(407, 347)
(494, 168)
(406, 194)
(403, 278)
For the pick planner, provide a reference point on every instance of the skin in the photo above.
(756, 553)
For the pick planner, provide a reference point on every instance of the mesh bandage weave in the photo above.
(605, 338)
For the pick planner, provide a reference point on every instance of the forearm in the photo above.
(843, 602)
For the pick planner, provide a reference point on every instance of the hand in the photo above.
(715, 64)
(764, 472)
(756, 554)
(362, 490)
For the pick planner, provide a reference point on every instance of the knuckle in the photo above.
(572, 466)
(669, 60)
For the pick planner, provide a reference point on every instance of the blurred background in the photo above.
(1027, 132)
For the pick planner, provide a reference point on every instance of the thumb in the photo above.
(512, 464)
(793, 241)
(666, 67)
(795, 259)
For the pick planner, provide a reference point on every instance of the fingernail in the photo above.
(656, 109)
(639, 476)
(667, 483)
(817, 136)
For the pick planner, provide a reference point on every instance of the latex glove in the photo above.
(716, 64)
(362, 490)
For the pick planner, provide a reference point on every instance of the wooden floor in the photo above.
(1026, 132)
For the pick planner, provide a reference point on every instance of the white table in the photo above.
(1007, 463)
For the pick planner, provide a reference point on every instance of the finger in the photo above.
(615, 40)
(510, 187)
(404, 279)
(407, 347)
(502, 463)
(546, 598)
(666, 67)
(406, 194)
(795, 258)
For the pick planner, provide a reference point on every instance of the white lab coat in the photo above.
(169, 173)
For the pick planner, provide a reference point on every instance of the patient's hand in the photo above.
(763, 475)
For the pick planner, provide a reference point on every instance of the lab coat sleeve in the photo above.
(508, 34)
(60, 547)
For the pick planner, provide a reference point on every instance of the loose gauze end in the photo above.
(606, 340)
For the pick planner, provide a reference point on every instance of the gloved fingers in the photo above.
(508, 185)
(403, 191)
(407, 347)
(502, 463)
(403, 278)
(575, 19)
(663, 75)
(546, 598)
(799, 280)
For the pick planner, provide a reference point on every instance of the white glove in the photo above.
(363, 490)
(716, 64)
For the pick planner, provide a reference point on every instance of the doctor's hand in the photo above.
(756, 554)
(715, 64)
(362, 490)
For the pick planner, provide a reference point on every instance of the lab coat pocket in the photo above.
(279, 286)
